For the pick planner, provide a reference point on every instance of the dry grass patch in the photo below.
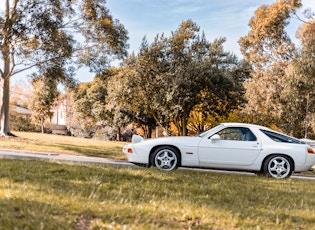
(62, 145)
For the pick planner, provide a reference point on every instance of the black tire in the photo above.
(165, 158)
(278, 166)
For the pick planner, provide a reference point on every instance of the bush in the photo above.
(110, 134)
(20, 122)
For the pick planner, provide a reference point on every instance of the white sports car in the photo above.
(231, 146)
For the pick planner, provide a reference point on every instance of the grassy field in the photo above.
(51, 195)
(62, 144)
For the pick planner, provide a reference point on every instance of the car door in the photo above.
(230, 146)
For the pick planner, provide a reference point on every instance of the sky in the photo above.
(223, 18)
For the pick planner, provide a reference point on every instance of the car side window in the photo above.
(277, 137)
(237, 134)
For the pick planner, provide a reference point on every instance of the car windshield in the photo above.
(280, 137)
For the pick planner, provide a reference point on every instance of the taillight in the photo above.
(310, 151)
(129, 150)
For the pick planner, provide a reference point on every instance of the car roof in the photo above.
(235, 124)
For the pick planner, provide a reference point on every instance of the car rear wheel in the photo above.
(278, 166)
(166, 158)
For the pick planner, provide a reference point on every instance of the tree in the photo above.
(44, 94)
(299, 93)
(40, 34)
(127, 87)
(90, 102)
(268, 48)
(168, 78)
(215, 108)
(200, 72)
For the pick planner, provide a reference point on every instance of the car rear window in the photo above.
(280, 137)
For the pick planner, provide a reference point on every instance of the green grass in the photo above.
(51, 195)
(38, 142)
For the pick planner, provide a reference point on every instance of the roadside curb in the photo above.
(19, 154)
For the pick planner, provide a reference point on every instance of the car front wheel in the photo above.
(166, 158)
(278, 166)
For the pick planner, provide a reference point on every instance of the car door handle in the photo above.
(256, 144)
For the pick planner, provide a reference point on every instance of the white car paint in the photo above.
(226, 146)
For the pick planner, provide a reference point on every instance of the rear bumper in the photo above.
(135, 157)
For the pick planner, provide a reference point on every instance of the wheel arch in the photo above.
(151, 161)
(277, 154)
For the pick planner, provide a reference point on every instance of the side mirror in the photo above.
(215, 138)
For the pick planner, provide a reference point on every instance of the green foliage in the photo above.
(35, 33)
(104, 37)
(43, 33)
(48, 195)
(267, 42)
(90, 102)
(280, 91)
(44, 94)
(21, 123)
(269, 50)
(201, 119)
(299, 93)
(169, 77)
(83, 106)
(131, 90)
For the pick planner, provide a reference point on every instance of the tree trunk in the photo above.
(118, 136)
(4, 106)
(5, 80)
(149, 131)
(184, 121)
(42, 124)
(184, 126)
